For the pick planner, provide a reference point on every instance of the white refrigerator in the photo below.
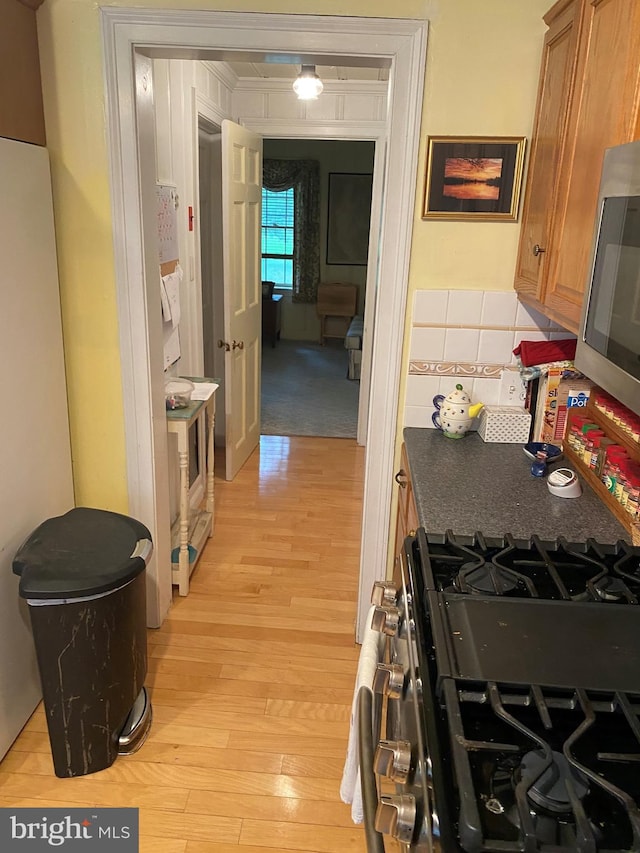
(35, 457)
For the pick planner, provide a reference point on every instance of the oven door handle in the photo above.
(367, 723)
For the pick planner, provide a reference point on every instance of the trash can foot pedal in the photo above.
(136, 728)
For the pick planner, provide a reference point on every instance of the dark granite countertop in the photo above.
(467, 485)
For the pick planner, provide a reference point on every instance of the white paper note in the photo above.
(172, 288)
(164, 299)
(203, 390)
(171, 346)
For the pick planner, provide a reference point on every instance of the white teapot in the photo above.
(455, 412)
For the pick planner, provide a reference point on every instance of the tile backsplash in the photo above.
(468, 336)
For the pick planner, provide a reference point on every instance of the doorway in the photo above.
(320, 379)
(306, 387)
(211, 268)
(402, 44)
(208, 160)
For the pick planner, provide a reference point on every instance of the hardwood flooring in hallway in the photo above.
(251, 676)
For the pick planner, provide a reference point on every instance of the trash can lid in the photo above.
(82, 553)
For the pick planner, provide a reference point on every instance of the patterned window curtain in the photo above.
(304, 177)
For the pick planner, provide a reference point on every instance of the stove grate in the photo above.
(557, 570)
(529, 771)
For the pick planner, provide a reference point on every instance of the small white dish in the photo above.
(564, 483)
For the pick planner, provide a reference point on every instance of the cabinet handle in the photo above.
(237, 345)
(538, 250)
(224, 344)
(401, 482)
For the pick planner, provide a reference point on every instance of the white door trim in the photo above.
(161, 33)
(373, 131)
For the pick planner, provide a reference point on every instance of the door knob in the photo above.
(224, 344)
(237, 345)
(538, 250)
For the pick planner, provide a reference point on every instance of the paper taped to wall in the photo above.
(171, 289)
(170, 299)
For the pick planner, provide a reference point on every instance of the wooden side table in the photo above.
(192, 528)
(272, 318)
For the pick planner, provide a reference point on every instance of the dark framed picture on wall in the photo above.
(473, 177)
(348, 217)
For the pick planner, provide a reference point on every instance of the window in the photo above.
(291, 226)
(278, 236)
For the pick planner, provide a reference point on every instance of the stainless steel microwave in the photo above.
(608, 348)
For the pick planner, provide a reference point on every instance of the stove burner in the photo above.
(549, 791)
(550, 571)
(609, 588)
(485, 579)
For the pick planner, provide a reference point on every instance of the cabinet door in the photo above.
(557, 77)
(603, 113)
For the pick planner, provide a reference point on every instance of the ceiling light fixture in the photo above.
(307, 84)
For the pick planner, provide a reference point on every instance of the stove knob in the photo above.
(384, 592)
(386, 620)
(396, 816)
(393, 760)
(389, 680)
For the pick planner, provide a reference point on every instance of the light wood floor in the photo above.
(251, 676)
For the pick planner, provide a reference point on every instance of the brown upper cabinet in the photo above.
(588, 100)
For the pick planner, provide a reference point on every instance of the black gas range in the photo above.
(512, 685)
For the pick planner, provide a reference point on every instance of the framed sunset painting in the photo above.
(473, 177)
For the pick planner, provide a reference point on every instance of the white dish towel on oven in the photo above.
(350, 790)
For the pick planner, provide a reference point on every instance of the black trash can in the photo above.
(83, 576)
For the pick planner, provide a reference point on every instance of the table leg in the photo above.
(210, 465)
(183, 555)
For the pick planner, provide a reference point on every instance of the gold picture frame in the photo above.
(473, 178)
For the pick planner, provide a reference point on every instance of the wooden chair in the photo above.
(336, 300)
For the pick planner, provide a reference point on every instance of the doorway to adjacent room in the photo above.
(399, 43)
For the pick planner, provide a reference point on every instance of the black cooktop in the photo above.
(549, 613)
(538, 642)
(532, 650)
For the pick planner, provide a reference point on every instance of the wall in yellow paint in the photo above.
(481, 77)
(482, 74)
(71, 62)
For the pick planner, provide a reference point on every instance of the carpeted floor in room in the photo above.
(305, 390)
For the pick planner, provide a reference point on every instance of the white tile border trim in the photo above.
(452, 368)
(514, 328)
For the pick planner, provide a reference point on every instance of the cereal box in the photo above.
(560, 389)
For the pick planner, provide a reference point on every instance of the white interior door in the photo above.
(241, 218)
